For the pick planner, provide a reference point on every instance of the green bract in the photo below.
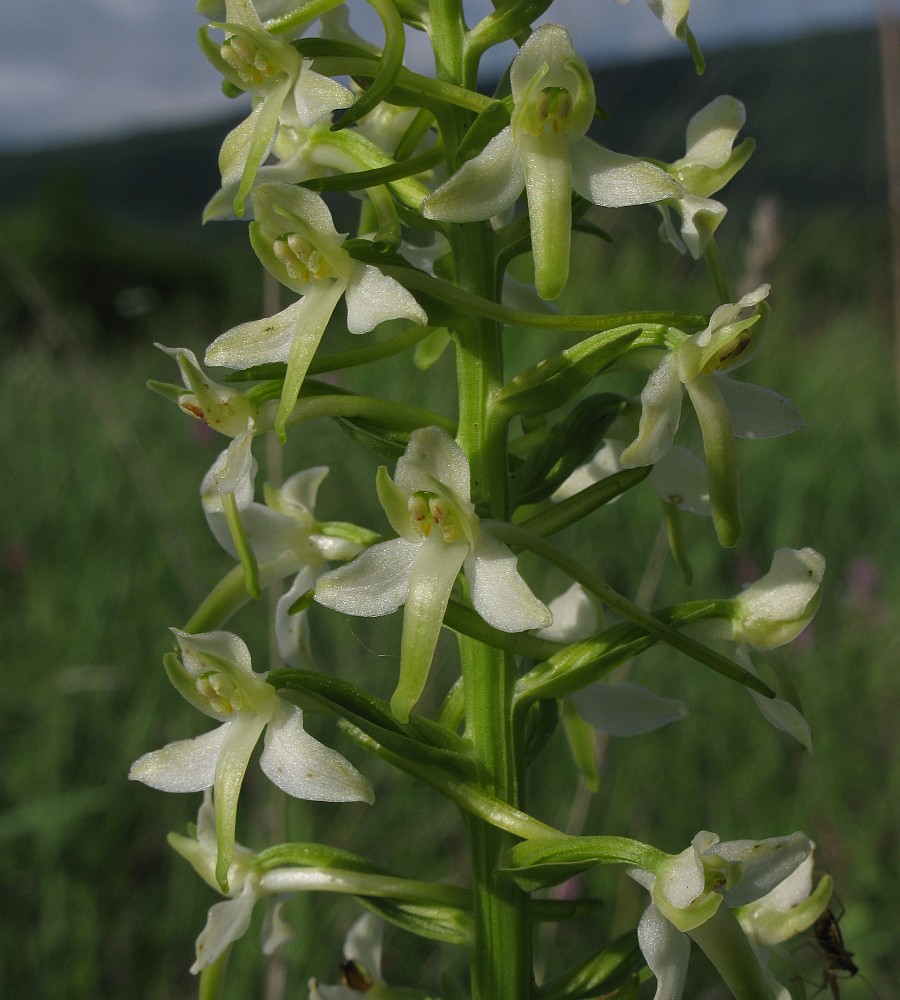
(545, 152)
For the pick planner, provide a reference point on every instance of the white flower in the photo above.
(708, 164)
(228, 921)
(724, 406)
(361, 969)
(285, 90)
(216, 676)
(545, 152)
(687, 890)
(428, 506)
(294, 236)
(283, 534)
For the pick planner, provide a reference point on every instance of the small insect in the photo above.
(835, 957)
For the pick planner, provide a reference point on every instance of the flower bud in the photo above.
(776, 609)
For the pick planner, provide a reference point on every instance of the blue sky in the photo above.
(71, 69)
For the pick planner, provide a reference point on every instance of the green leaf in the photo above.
(448, 924)
(606, 970)
(553, 382)
(566, 446)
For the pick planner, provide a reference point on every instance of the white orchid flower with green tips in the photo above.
(294, 236)
(283, 534)
(709, 163)
(725, 408)
(214, 673)
(221, 407)
(789, 909)
(229, 920)
(545, 152)
(428, 504)
(692, 893)
(769, 613)
(285, 91)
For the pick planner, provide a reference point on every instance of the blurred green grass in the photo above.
(103, 546)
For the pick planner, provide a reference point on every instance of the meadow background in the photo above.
(103, 544)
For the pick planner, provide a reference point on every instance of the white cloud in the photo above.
(123, 64)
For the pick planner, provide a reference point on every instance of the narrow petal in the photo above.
(375, 583)
(614, 180)
(660, 413)
(431, 579)
(226, 922)
(499, 594)
(183, 766)
(757, 411)
(373, 298)
(305, 768)
(482, 187)
(627, 709)
(667, 952)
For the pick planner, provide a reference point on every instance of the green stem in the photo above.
(500, 958)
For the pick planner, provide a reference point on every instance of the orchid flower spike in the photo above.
(724, 406)
(214, 673)
(708, 164)
(687, 891)
(545, 152)
(285, 91)
(294, 236)
(428, 504)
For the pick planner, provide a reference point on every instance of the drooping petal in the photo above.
(182, 766)
(700, 217)
(241, 736)
(667, 952)
(373, 298)
(614, 180)
(548, 184)
(757, 411)
(375, 583)
(721, 462)
(305, 768)
(226, 922)
(499, 594)
(780, 713)
(482, 187)
(432, 575)
(660, 413)
(627, 709)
